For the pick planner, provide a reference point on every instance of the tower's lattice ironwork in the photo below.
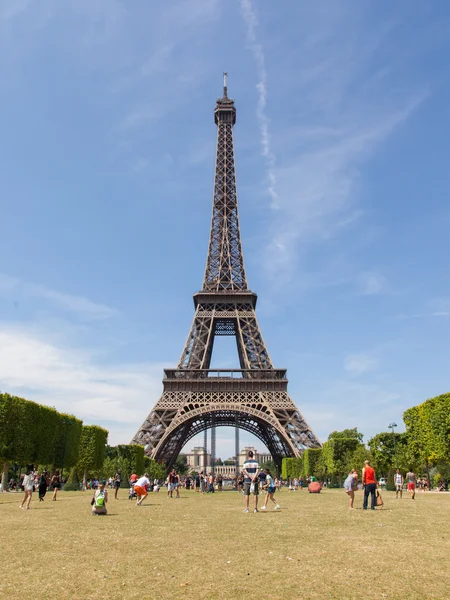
(254, 397)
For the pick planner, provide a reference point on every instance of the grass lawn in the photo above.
(206, 547)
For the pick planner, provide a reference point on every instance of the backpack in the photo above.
(100, 500)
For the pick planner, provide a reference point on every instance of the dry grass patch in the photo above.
(207, 548)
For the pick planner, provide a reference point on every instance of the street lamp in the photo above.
(393, 426)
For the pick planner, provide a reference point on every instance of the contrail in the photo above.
(251, 20)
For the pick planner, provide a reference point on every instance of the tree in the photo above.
(311, 458)
(154, 469)
(180, 465)
(67, 441)
(388, 449)
(92, 450)
(31, 433)
(428, 430)
(347, 433)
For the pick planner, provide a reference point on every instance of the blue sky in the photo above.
(107, 161)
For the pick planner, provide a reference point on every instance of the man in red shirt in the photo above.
(370, 485)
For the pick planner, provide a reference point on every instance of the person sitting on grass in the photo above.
(270, 490)
(99, 500)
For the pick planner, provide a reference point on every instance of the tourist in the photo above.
(370, 485)
(117, 482)
(425, 484)
(140, 488)
(240, 482)
(251, 471)
(398, 481)
(262, 480)
(197, 483)
(176, 483)
(411, 484)
(99, 500)
(211, 483)
(219, 483)
(28, 488)
(43, 485)
(351, 485)
(270, 487)
(202, 483)
(56, 484)
(300, 483)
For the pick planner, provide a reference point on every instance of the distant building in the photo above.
(196, 462)
(196, 459)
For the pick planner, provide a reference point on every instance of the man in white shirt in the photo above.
(251, 471)
(141, 488)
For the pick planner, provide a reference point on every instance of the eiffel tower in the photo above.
(253, 398)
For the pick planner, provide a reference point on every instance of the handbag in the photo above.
(252, 488)
(379, 499)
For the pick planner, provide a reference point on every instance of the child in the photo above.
(351, 484)
(99, 500)
(270, 490)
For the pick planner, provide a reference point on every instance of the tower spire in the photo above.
(225, 264)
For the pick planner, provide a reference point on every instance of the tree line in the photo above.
(34, 434)
(423, 447)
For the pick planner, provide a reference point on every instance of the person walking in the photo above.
(251, 471)
(398, 481)
(370, 485)
(43, 485)
(140, 488)
(99, 500)
(28, 488)
(270, 488)
(351, 485)
(411, 484)
(56, 484)
(117, 482)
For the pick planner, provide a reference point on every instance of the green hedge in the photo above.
(92, 449)
(31, 433)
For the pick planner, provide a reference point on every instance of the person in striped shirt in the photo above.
(251, 471)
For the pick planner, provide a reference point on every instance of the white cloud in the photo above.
(372, 283)
(10, 286)
(71, 379)
(340, 111)
(359, 363)
(251, 21)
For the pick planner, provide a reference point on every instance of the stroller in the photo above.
(132, 493)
